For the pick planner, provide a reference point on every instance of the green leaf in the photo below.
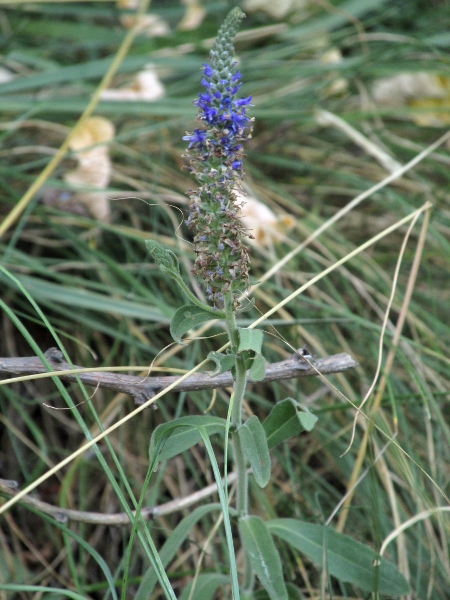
(346, 559)
(293, 594)
(200, 425)
(254, 446)
(244, 308)
(177, 436)
(224, 362)
(206, 586)
(287, 419)
(165, 259)
(263, 556)
(187, 317)
(307, 418)
(257, 370)
(250, 339)
(170, 547)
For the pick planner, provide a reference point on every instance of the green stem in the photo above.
(218, 314)
(240, 382)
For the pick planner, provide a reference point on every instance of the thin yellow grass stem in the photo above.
(387, 369)
(350, 206)
(138, 410)
(42, 178)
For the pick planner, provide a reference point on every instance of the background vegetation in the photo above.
(110, 306)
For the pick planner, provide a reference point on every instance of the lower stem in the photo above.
(240, 383)
(236, 421)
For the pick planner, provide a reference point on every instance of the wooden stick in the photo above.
(143, 389)
(10, 488)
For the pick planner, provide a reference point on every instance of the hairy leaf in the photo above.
(206, 586)
(263, 556)
(224, 362)
(254, 446)
(165, 259)
(342, 556)
(293, 594)
(257, 370)
(171, 545)
(187, 317)
(287, 419)
(250, 339)
(177, 436)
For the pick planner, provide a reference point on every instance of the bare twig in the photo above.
(10, 488)
(143, 389)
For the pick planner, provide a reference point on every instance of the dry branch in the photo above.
(143, 389)
(10, 488)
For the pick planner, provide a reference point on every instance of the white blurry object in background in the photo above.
(338, 84)
(266, 227)
(146, 87)
(428, 93)
(193, 17)
(6, 75)
(274, 8)
(150, 25)
(89, 145)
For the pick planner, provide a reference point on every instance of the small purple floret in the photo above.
(196, 138)
(242, 102)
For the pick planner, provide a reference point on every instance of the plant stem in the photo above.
(240, 382)
(217, 313)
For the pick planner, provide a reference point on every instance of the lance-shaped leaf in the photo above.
(177, 436)
(186, 318)
(263, 556)
(224, 362)
(257, 370)
(287, 418)
(293, 591)
(204, 426)
(254, 446)
(171, 546)
(205, 586)
(250, 339)
(342, 557)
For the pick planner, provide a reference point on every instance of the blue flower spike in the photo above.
(215, 154)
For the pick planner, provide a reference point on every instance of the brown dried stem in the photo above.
(143, 389)
(10, 488)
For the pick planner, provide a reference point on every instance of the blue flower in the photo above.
(196, 138)
(207, 70)
(243, 102)
(215, 152)
(209, 114)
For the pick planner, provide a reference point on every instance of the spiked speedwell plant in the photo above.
(215, 154)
